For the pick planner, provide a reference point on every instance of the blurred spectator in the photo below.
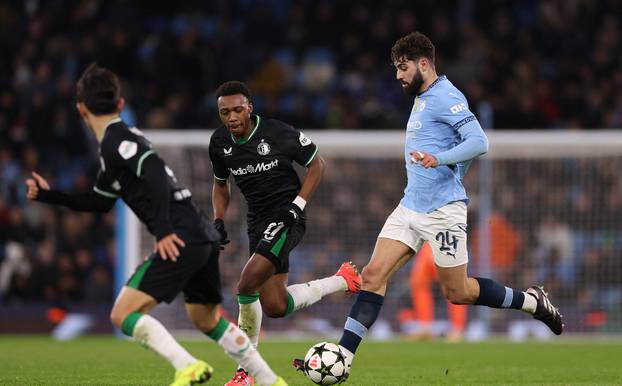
(306, 61)
(554, 253)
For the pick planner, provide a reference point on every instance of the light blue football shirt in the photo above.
(441, 124)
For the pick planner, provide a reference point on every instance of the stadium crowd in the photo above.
(538, 64)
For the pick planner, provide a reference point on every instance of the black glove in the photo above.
(289, 215)
(220, 227)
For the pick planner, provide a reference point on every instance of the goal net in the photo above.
(546, 208)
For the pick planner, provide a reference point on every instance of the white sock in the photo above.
(349, 357)
(152, 334)
(529, 304)
(306, 294)
(240, 349)
(249, 320)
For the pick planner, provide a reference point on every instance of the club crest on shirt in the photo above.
(419, 105)
(263, 148)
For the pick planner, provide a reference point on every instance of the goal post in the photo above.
(556, 219)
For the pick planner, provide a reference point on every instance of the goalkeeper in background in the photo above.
(260, 154)
(185, 257)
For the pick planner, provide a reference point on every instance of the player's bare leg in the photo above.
(128, 301)
(256, 272)
(458, 288)
(129, 313)
(388, 257)
(274, 297)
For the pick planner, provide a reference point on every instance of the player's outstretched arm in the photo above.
(36, 184)
(39, 190)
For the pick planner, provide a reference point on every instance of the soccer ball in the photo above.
(326, 364)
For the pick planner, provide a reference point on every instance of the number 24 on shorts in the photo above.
(449, 243)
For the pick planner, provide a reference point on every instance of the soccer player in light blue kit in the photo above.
(442, 138)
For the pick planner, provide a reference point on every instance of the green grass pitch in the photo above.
(107, 361)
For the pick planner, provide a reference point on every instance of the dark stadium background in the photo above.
(315, 64)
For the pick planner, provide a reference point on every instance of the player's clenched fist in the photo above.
(34, 184)
(289, 215)
(425, 159)
(219, 224)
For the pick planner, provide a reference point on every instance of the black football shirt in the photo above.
(262, 164)
(123, 151)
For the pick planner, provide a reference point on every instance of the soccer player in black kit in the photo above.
(260, 153)
(185, 257)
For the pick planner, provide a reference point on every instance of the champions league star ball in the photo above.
(325, 364)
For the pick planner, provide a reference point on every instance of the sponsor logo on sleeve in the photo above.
(455, 109)
(304, 140)
(128, 149)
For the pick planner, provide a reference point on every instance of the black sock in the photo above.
(362, 315)
(493, 294)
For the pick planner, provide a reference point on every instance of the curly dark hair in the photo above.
(233, 87)
(413, 46)
(99, 89)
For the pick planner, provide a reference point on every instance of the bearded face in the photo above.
(408, 73)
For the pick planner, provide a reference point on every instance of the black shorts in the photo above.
(195, 273)
(267, 239)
